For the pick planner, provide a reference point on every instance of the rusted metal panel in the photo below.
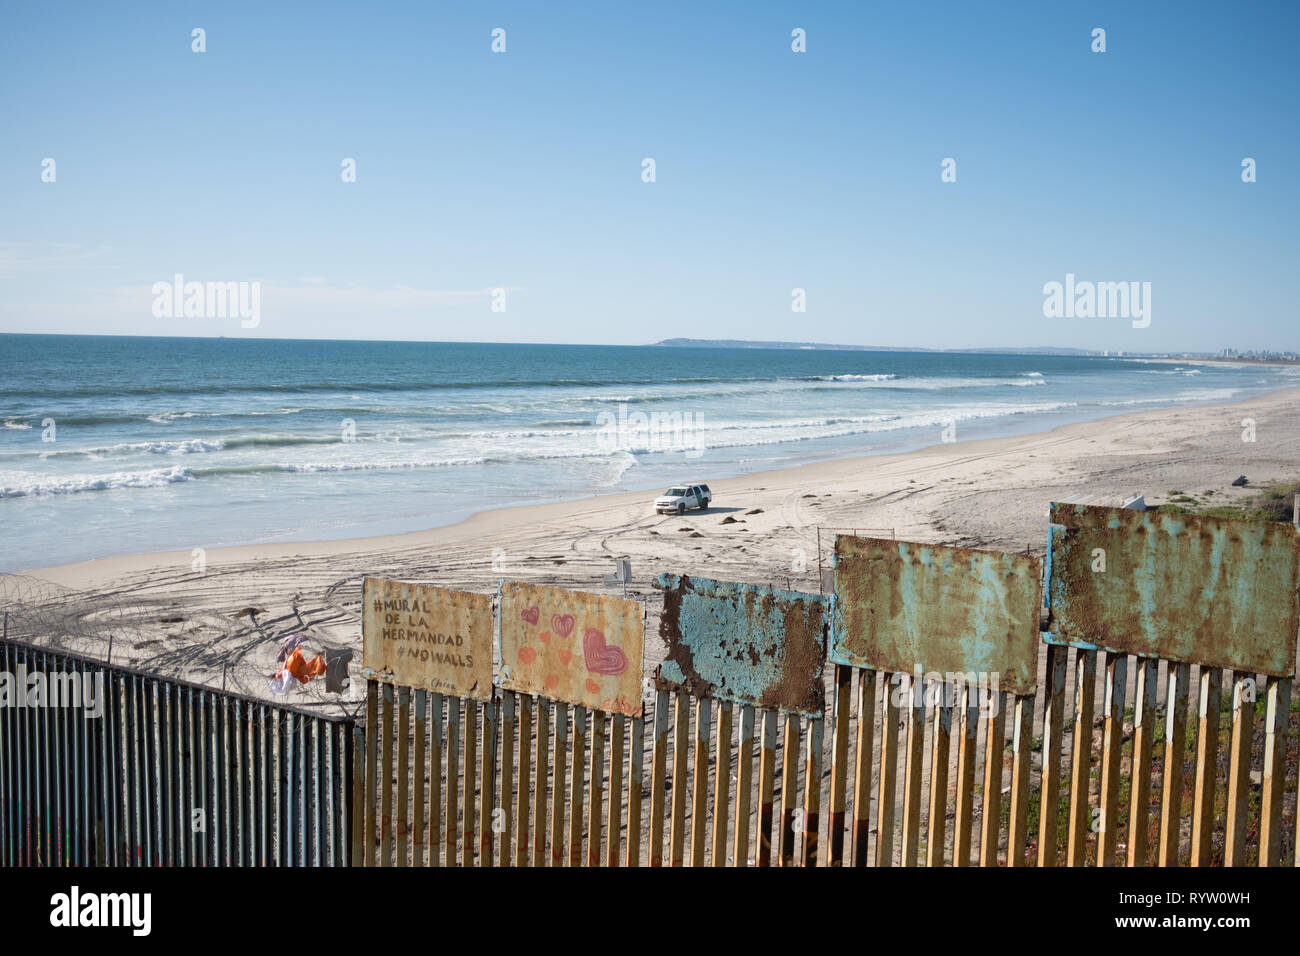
(584, 649)
(742, 643)
(1213, 591)
(900, 606)
(419, 635)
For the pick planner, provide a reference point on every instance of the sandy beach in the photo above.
(225, 622)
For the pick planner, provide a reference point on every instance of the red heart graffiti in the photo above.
(562, 624)
(530, 614)
(600, 657)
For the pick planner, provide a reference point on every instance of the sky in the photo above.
(774, 170)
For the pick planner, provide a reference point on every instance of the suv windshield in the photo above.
(674, 492)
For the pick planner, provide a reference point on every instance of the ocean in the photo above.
(117, 445)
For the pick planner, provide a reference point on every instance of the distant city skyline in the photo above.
(502, 196)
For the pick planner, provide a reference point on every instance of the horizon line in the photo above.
(741, 344)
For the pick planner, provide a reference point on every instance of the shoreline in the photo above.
(86, 570)
(549, 510)
(1230, 362)
(238, 462)
(542, 511)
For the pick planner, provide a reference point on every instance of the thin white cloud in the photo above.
(308, 300)
(21, 257)
(316, 294)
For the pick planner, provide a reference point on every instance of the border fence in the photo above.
(510, 728)
(108, 766)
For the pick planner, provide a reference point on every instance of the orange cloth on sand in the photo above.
(302, 669)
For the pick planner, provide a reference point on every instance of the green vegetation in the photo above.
(1034, 808)
(1222, 511)
(1275, 503)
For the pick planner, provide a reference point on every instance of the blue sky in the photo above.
(774, 170)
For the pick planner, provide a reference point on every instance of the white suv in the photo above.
(680, 497)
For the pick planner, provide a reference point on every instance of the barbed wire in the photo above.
(158, 635)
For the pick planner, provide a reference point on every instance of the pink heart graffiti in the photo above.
(600, 657)
(562, 624)
(530, 614)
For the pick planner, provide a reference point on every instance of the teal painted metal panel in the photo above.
(743, 643)
(1188, 588)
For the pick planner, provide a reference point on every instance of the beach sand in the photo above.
(170, 619)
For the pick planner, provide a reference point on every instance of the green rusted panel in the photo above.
(900, 606)
(1188, 588)
(743, 643)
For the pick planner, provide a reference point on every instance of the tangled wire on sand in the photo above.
(155, 634)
